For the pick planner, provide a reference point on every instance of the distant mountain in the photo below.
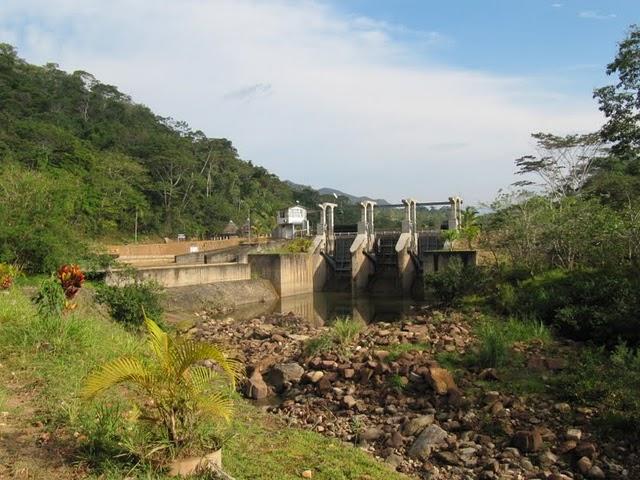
(332, 191)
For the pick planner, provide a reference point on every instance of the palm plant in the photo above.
(181, 391)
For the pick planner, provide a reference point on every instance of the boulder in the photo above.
(371, 434)
(584, 465)
(441, 380)
(416, 425)
(430, 438)
(255, 387)
(283, 375)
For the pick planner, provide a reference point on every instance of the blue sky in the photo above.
(387, 98)
(566, 42)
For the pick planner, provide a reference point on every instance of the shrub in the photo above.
(598, 305)
(610, 380)
(50, 299)
(299, 245)
(7, 274)
(71, 279)
(449, 285)
(129, 303)
(179, 392)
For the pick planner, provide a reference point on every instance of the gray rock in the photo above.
(416, 425)
(431, 437)
(283, 375)
(255, 387)
(371, 434)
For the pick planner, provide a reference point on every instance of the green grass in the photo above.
(346, 330)
(397, 349)
(264, 449)
(342, 333)
(53, 356)
(497, 336)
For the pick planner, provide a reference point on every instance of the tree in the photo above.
(470, 228)
(620, 103)
(563, 163)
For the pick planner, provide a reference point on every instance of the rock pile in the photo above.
(403, 406)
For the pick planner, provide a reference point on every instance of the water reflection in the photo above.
(322, 308)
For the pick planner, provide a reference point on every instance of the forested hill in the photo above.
(99, 157)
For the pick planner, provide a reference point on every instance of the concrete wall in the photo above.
(290, 273)
(184, 275)
(171, 248)
(437, 260)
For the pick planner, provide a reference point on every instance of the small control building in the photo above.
(292, 222)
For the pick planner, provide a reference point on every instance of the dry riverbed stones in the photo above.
(404, 407)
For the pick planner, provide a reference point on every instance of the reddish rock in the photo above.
(441, 380)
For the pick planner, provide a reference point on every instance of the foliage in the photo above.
(343, 332)
(7, 273)
(620, 104)
(496, 337)
(95, 164)
(38, 217)
(448, 285)
(591, 304)
(450, 236)
(55, 362)
(470, 230)
(129, 303)
(179, 392)
(71, 279)
(563, 164)
(346, 330)
(299, 245)
(50, 299)
(536, 233)
(610, 380)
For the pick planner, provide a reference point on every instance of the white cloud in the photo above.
(595, 15)
(315, 96)
(557, 5)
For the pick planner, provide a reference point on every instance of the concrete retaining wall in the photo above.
(290, 273)
(184, 275)
(171, 248)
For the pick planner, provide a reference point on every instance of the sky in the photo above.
(391, 99)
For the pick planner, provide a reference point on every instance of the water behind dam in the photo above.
(321, 308)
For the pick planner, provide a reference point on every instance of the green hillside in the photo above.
(83, 155)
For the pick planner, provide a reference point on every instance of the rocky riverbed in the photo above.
(387, 393)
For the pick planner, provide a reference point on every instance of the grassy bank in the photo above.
(44, 361)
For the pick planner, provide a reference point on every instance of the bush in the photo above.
(129, 303)
(7, 274)
(299, 245)
(180, 394)
(598, 305)
(50, 298)
(610, 380)
(450, 285)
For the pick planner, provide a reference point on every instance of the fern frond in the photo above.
(159, 342)
(186, 353)
(118, 371)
